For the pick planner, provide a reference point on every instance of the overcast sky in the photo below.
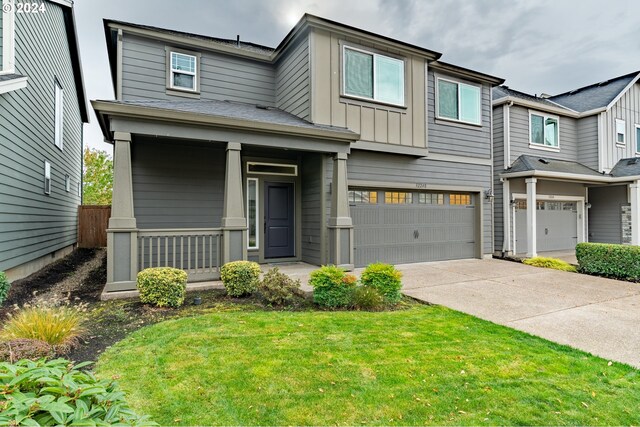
(538, 46)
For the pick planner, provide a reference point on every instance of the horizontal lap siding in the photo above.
(588, 141)
(292, 81)
(33, 224)
(605, 215)
(177, 184)
(223, 77)
(312, 180)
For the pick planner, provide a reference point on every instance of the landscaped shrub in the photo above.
(366, 298)
(4, 287)
(556, 264)
(24, 348)
(60, 326)
(240, 278)
(162, 286)
(619, 261)
(56, 392)
(385, 279)
(331, 287)
(279, 289)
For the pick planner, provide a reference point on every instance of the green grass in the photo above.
(423, 365)
(556, 264)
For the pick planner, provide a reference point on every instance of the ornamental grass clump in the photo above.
(553, 263)
(332, 287)
(240, 278)
(162, 286)
(385, 279)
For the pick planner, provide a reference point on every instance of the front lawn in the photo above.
(423, 365)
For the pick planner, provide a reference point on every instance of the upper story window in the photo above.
(459, 101)
(621, 137)
(637, 138)
(58, 115)
(544, 131)
(183, 71)
(47, 177)
(372, 76)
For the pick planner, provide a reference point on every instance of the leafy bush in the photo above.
(279, 289)
(24, 348)
(4, 287)
(556, 264)
(60, 326)
(240, 278)
(56, 392)
(331, 287)
(162, 286)
(619, 261)
(385, 278)
(366, 298)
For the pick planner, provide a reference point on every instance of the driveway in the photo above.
(597, 315)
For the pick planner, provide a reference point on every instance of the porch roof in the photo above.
(547, 164)
(627, 167)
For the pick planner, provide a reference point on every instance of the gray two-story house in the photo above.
(567, 167)
(338, 146)
(42, 111)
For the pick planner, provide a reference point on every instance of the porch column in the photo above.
(234, 223)
(531, 218)
(634, 200)
(122, 234)
(340, 223)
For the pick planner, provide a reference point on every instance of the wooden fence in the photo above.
(92, 226)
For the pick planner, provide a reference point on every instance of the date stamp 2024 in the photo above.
(24, 7)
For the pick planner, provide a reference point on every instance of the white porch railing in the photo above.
(194, 250)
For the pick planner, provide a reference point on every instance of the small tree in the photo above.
(98, 177)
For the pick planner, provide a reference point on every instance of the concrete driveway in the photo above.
(597, 315)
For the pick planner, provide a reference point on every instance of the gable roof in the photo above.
(526, 163)
(597, 95)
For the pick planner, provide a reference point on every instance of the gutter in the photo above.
(558, 110)
(570, 176)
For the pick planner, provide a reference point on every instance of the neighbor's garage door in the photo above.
(402, 227)
(556, 228)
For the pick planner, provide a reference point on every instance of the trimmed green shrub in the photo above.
(162, 286)
(619, 261)
(385, 279)
(277, 288)
(331, 287)
(56, 392)
(366, 298)
(4, 287)
(240, 278)
(544, 262)
(24, 348)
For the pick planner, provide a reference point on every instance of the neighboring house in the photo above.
(338, 146)
(42, 110)
(566, 167)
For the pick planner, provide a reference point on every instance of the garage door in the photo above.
(403, 227)
(557, 226)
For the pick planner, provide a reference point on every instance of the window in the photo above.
(183, 71)
(252, 213)
(431, 198)
(620, 132)
(272, 169)
(543, 130)
(458, 101)
(637, 138)
(79, 189)
(59, 113)
(397, 198)
(363, 196)
(460, 199)
(372, 76)
(67, 183)
(47, 177)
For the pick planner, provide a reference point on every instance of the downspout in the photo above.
(506, 191)
(491, 199)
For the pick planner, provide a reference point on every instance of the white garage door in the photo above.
(557, 226)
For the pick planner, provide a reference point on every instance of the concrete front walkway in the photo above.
(597, 315)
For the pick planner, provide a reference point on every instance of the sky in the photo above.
(538, 46)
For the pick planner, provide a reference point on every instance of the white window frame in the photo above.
(257, 182)
(8, 38)
(544, 116)
(637, 127)
(172, 71)
(79, 188)
(67, 183)
(459, 83)
(285, 165)
(620, 122)
(375, 84)
(58, 118)
(47, 177)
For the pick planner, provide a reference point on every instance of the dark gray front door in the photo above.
(279, 220)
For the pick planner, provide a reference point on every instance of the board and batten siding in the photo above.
(605, 215)
(627, 108)
(222, 77)
(177, 184)
(292, 80)
(588, 141)
(448, 137)
(498, 168)
(33, 224)
(374, 122)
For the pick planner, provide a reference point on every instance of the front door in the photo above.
(279, 220)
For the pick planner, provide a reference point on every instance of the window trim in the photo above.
(176, 90)
(58, 115)
(624, 132)
(67, 183)
(47, 178)
(544, 116)
(375, 54)
(257, 245)
(458, 82)
(637, 127)
(8, 39)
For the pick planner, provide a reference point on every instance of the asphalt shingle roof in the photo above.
(627, 167)
(540, 163)
(594, 96)
(504, 91)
